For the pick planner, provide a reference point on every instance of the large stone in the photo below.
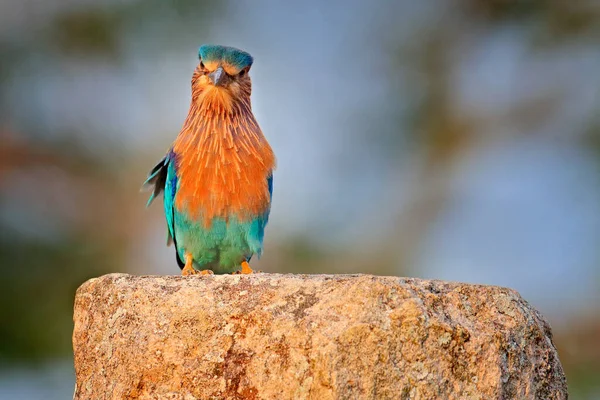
(270, 336)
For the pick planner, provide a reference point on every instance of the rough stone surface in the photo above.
(269, 336)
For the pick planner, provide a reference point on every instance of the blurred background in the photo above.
(455, 140)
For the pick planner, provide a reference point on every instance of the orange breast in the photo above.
(223, 164)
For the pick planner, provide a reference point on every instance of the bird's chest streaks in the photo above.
(223, 163)
(221, 184)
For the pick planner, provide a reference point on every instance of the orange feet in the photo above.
(246, 268)
(188, 269)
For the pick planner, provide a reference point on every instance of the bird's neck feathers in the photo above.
(218, 115)
(223, 158)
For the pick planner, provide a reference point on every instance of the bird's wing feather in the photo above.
(257, 230)
(170, 190)
(162, 178)
(270, 184)
(156, 179)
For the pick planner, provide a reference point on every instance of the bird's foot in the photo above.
(189, 269)
(246, 269)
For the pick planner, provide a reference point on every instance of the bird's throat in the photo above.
(217, 119)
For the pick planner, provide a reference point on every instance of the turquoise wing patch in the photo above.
(256, 230)
(170, 191)
(163, 179)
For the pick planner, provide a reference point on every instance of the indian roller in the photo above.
(217, 177)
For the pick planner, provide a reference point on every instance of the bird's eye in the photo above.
(243, 72)
(202, 67)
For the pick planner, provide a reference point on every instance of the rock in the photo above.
(270, 336)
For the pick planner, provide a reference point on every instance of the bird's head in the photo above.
(221, 78)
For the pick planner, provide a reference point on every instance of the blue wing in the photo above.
(170, 190)
(256, 231)
(270, 184)
(163, 177)
(156, 179)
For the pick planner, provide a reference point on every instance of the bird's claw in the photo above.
(246, 270)
(188, 272)
(189, 269)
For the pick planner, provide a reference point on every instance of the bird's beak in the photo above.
(218, 77)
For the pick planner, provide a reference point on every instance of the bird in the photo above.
(217, 177)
